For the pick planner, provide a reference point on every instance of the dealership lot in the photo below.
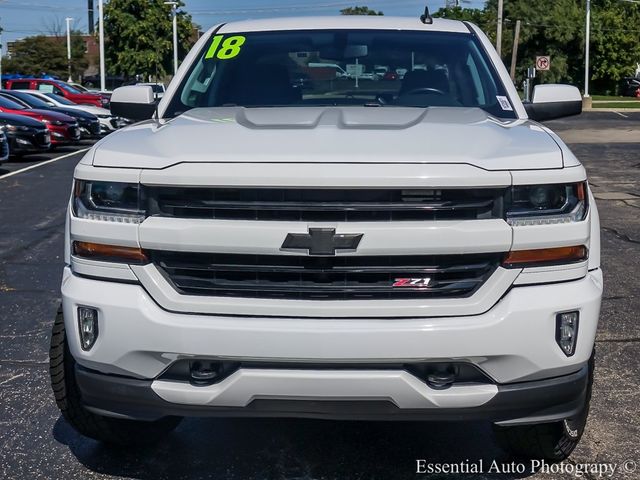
(35, 442)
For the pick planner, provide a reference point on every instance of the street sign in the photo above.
(543, 64)
(355, 70)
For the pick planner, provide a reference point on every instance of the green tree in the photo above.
(139, 38)
(47, 54)
(473, 15)
(614, 43)
(549, 27)
(556, 28)
(359, 11)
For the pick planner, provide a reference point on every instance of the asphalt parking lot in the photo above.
(36, 443)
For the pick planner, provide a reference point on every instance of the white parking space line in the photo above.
(31, 167)
(621, 114)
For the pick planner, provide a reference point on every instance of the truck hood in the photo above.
(333, 135)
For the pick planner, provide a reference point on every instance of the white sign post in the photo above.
(355, 70)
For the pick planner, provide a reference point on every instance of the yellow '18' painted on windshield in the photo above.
(225, 48)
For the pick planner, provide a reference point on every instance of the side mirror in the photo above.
(136, 102)
(554, 101)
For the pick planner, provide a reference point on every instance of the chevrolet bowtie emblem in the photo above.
(321, 242)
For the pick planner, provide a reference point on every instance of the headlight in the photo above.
(54, 122)
(16, 128)
(108, 201)
(547, 204)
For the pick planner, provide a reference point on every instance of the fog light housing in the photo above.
(88, 326)
(567, 332)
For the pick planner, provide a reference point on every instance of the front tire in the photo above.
(553, 442)
(109, 430)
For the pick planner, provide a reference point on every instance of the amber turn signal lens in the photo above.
(546, 256)
(109, 253)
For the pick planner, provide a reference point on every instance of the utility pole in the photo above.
(514, 53)
(174, 15)
(499, 33)
(90, 13)
(103, 82)
(69, 20)
(587, 50)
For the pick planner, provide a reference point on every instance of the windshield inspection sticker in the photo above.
(504, 103)
(225, 48)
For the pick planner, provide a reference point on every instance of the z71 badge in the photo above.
(411, 282)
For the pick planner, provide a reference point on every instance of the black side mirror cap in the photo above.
(133, 111)
(554, 101)
(541, 112)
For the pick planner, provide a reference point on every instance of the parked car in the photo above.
(4, 146)
(255, 253)
(158, 89)
(106, 95)
(89, 123)
(401, 72)
(390, 76)
(25, 134)
(59, 88)
(380, 71)
(369, 76)
(93, 81)
(64, 129)
(301, 80)
(339, 71)
(108, 121)
(630, 87)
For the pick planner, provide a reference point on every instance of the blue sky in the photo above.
(21, 18)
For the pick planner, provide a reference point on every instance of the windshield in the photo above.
(68, 88)
(343, 68)
(30, 100)
(10, 104)
(60, 99)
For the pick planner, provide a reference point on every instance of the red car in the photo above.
(63, 128)
(59, 88)
(391, 76)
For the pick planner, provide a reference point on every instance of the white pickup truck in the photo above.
(417, 249)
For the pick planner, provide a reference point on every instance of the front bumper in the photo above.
(29, 143)
(90, 129)
(512, 404)
(512, 343)
(64, 135)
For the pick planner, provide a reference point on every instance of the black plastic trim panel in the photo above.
(517, 403)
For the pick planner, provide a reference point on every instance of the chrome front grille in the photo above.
(325, 205)
(325, 278)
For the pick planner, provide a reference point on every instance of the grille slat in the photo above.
(319, 206)
(341, 277)
(359, 269)
(331, 204)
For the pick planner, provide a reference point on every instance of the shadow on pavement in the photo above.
(246, 449)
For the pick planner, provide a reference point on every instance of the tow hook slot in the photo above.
(204, 372)
(441, 380)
